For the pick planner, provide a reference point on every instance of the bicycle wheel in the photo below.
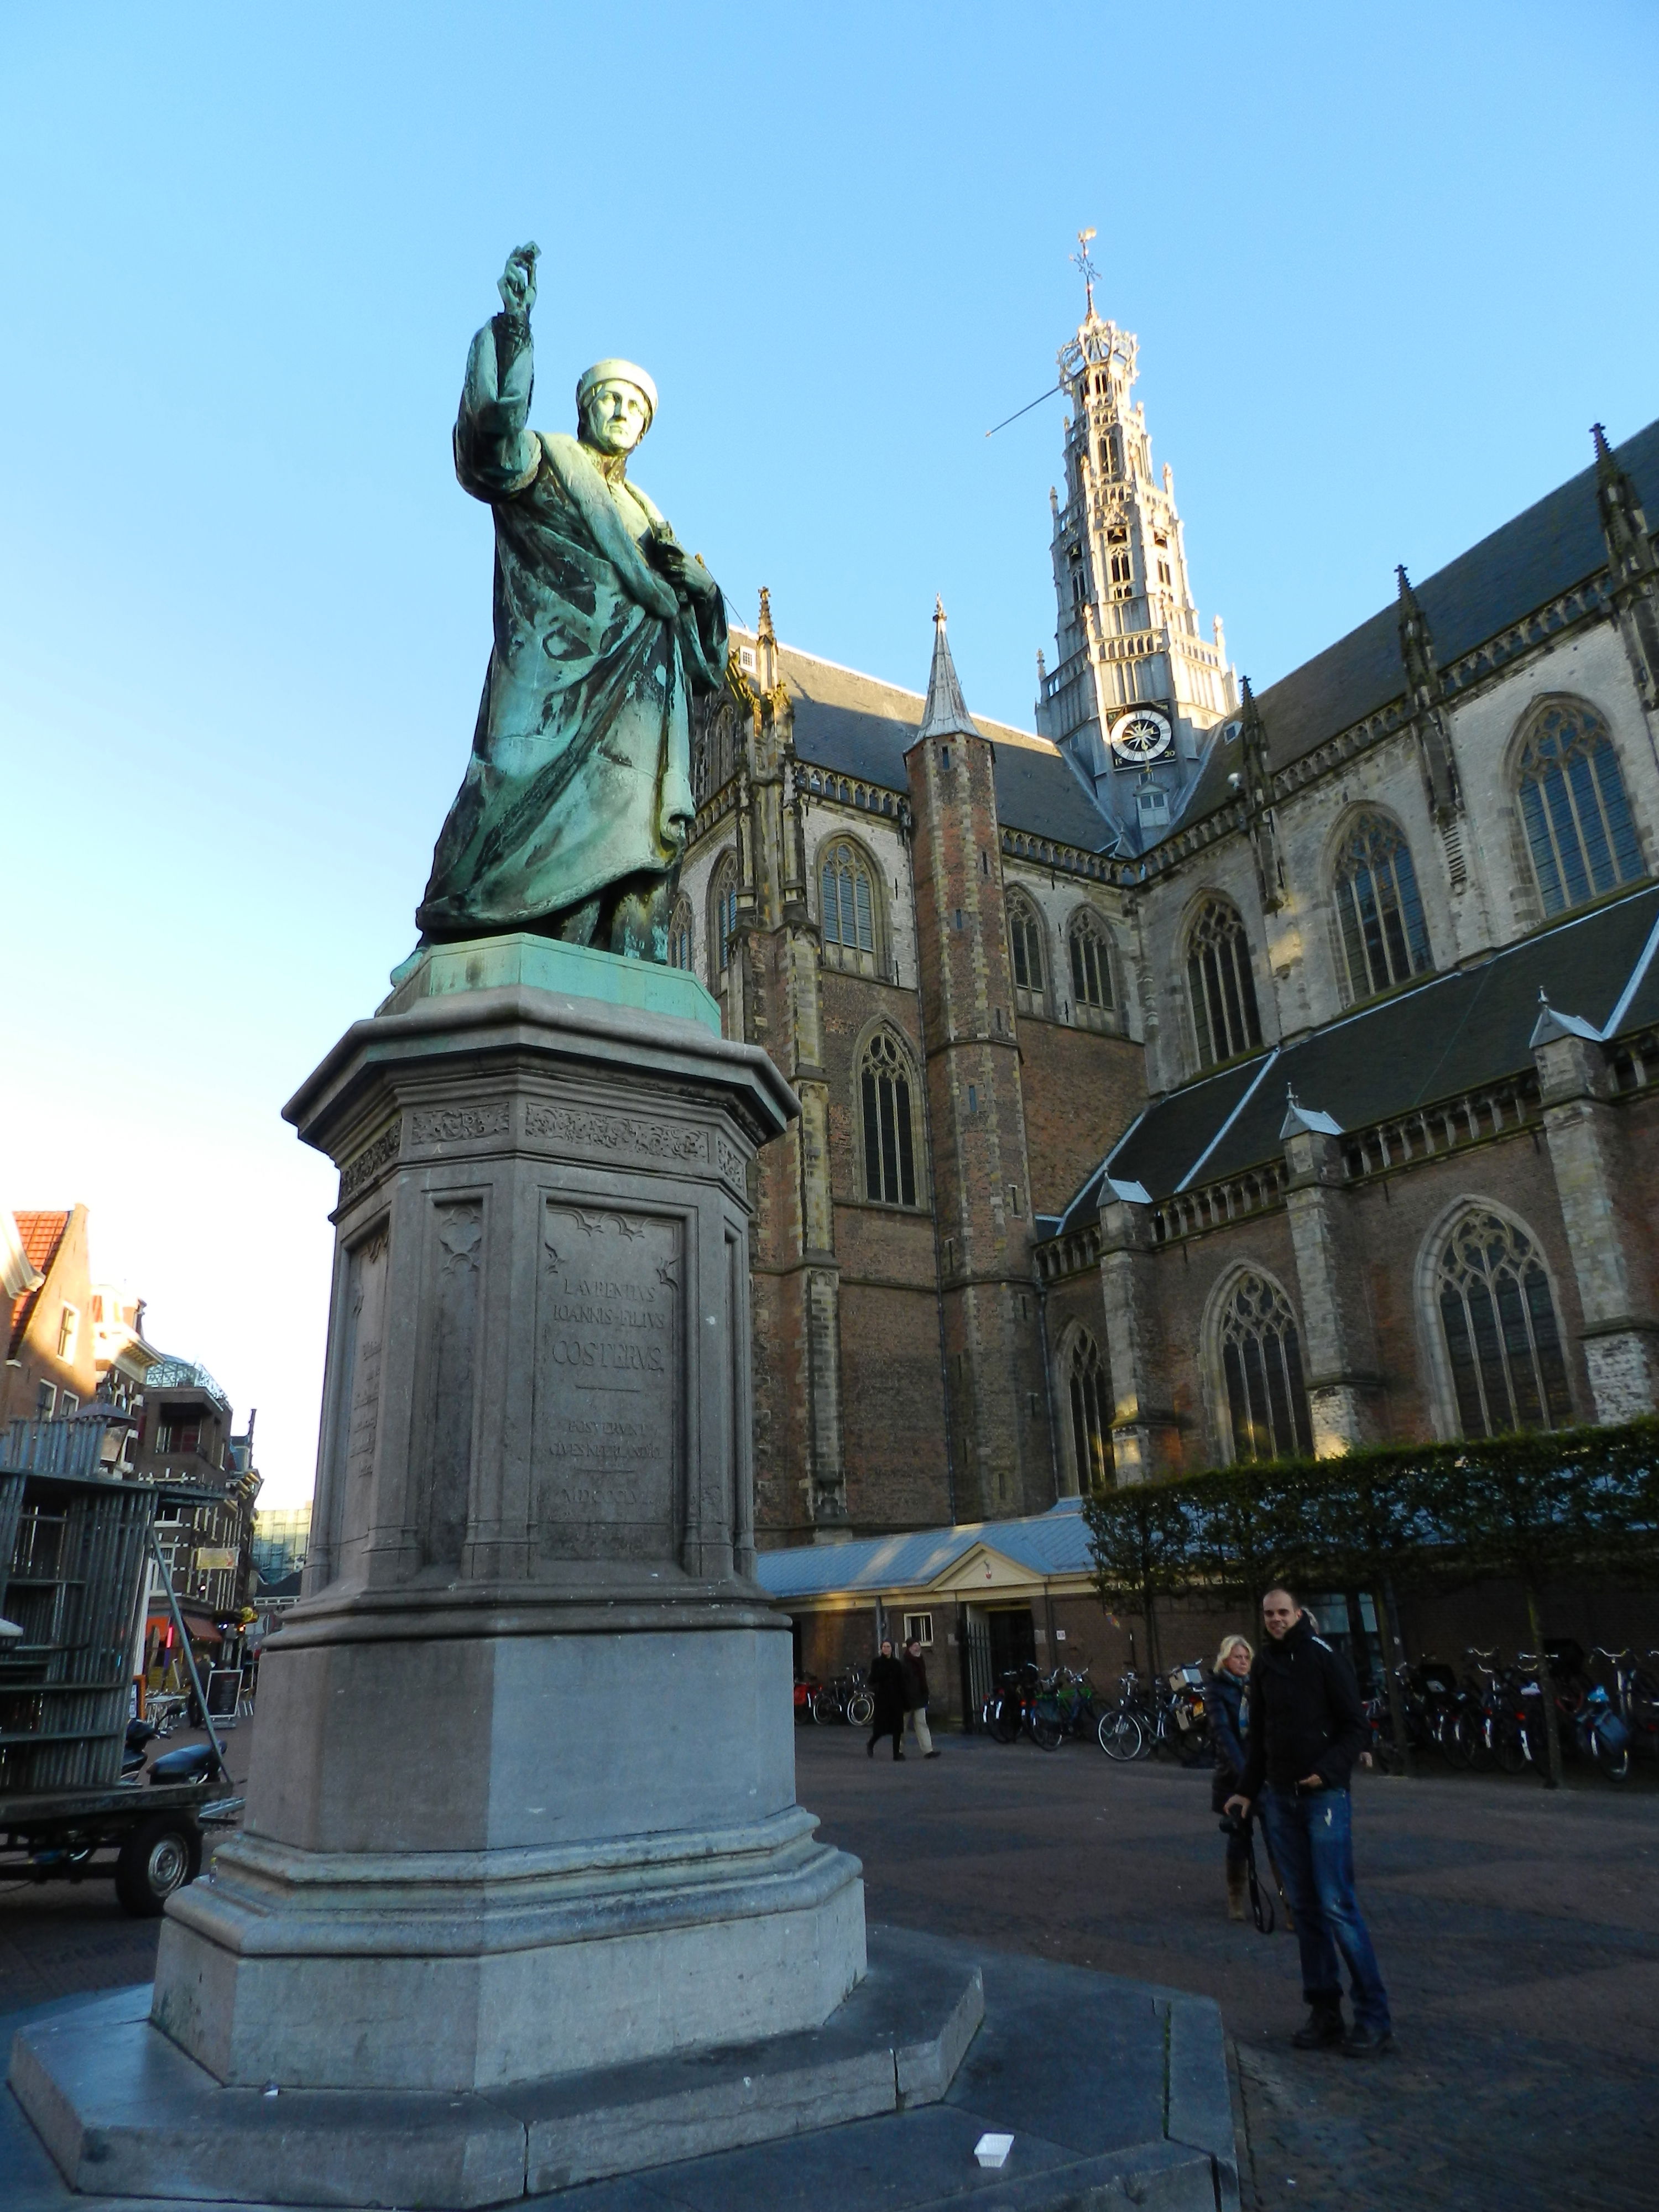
(1511, 1747)
(860, 1708)
(1452, 1736)
(1005, 1720)
(1150, 1738)
(1615, 1765)
(824, 1707)
(1119, 1735)
(1046, 1730)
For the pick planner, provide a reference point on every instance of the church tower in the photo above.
(1137, 687)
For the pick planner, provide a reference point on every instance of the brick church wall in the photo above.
(1082, 1091)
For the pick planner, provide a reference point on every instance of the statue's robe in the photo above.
(581, 768)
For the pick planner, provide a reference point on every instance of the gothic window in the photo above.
(886, 1088)
(1261, 1368)
(848, 907)
(722, 916)
(1573, 807)
(679, 936)
(1089, 1400)
(1092, 969)
(1384, 940)
(1121, 569)
(1220, 984)
(1025, 950)
(1503, 1340)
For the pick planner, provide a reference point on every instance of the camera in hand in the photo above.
(1235, 1824)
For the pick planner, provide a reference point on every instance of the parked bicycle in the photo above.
(1025, 1703)
(846, 1697)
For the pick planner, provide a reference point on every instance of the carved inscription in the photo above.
(346, 1517)
(360, 1171)
(611, 1132)
(445, 1125)
(608, 1385)
(732, 1165)
(443, 1436)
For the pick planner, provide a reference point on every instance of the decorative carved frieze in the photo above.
(582, 1129)
(732, 1164)
(360, 1170)
(447, 1125)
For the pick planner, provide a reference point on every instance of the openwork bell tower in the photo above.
(1137, 687)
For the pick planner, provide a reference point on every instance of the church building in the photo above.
(1202, 1076)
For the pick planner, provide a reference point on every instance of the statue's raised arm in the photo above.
(495, 450)
(577, 800)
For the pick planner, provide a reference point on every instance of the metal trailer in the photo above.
(75, 1545)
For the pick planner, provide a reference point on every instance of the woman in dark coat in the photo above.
(1230, 1680)
(887, 1688)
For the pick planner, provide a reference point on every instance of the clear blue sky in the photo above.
(1386, 265)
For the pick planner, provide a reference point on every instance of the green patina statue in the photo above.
(577, 800)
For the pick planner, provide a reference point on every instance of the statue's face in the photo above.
(615, 417)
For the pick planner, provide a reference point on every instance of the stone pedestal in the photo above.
(522, 1801)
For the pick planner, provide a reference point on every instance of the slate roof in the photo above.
(39, 1234)
(1531, 560)
(1447, 1035)
(859, 726)
(1052, 1543)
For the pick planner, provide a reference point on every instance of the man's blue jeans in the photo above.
(1312, 1843)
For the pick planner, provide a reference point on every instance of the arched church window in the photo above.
(1025, 952)
(1089, 1399)
(886, 1090)
(848, 907)
(1503, 1339)
(1573, 807)
(1384, 939)
(1092, 969)
(1261, 1368)
(723, 916)
(1220, 984)
(680, 940)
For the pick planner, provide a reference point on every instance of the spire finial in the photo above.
(1603, 451)
(938, 610)
(1085, 266)
(764, 628)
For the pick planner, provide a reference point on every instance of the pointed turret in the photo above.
(945, 715)
(1624, 525)
(1258, 800)
(1416, 642)
(1634, 566)
(1426, 691)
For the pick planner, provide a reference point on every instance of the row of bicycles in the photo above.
(1493, 1718)
(1168, 1714)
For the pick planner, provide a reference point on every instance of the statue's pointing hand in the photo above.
(517, 281)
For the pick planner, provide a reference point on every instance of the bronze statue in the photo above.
(577, 799)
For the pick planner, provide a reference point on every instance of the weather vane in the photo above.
(1084, 267)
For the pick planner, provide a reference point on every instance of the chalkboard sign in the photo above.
(224, 1692)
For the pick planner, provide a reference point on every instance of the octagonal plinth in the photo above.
(525, 1769)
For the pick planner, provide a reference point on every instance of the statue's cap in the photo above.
(617, 372)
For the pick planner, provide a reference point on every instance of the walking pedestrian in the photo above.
(1229, 1726)
(914, 1667)
(1307, 1729)
(887, 1691)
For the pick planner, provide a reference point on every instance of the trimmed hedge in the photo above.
(1527, 1508)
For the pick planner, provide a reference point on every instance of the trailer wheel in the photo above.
(160, 1855)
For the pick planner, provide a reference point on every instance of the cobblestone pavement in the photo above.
(1518, 1934)
(64, 1939)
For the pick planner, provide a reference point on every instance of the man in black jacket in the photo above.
(1307, 1729)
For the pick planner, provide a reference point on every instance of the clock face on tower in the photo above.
(1143, 734)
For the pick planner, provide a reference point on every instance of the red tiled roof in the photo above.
(40, 1235)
